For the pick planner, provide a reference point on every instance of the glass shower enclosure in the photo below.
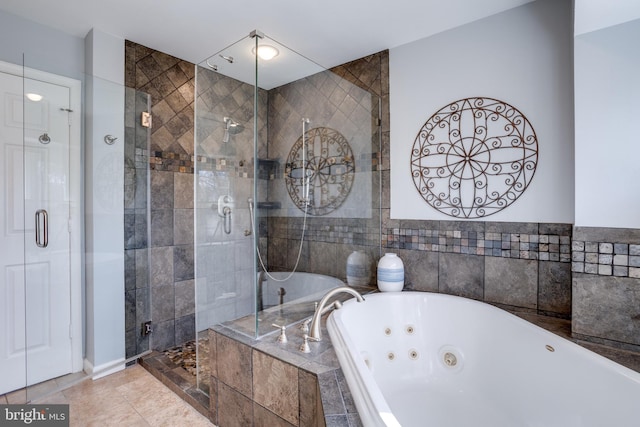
(285, 181)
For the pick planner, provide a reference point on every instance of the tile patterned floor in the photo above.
(42, 389)
(132, 397)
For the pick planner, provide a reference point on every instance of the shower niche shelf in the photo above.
(269, 205)
(268, 169)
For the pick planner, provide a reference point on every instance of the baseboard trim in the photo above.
(105, 369)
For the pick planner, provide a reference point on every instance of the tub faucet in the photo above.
(314, 333)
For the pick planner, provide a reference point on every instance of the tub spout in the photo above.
(314, 333)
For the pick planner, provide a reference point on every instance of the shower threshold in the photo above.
(176, 368)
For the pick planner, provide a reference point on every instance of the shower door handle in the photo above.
(42, 228)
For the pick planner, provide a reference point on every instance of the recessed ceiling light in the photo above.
(34, 97)
(266, 52)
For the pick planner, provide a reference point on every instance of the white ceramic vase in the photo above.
(390, 273)
(358, 269)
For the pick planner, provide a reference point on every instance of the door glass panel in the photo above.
(136, 218)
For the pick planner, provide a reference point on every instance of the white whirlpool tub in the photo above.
(433, 360)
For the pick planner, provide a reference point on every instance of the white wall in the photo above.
(104, 204)
(607, 90)
(43, 48)
(523, 57)
(593, 15)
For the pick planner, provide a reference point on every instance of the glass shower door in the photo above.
(137, 220)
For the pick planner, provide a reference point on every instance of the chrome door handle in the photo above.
(42, 233)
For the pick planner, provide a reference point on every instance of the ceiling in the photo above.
(330, 32)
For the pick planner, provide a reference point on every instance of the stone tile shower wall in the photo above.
(328, 240)
(170, 83)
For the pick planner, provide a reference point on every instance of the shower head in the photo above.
(231, 127)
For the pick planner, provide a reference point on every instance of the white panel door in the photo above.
(35, 290)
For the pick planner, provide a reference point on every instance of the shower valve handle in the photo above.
(225, 205)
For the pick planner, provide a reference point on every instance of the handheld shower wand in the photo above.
(305, 178)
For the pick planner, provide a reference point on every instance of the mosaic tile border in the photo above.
(186, 163)
(330, 230)
(239, 169)
(268, 169)
(606, 258)
(170, 161)
(542, 247)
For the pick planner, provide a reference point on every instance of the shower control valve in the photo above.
(225, 205)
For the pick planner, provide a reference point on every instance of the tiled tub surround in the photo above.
(543, 247)
(606, 286)
(606, 252)
(536, 268)
(259, 381)
(516, 265)
(525, 266)
(265, 383)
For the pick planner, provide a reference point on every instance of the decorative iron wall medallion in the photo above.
(474, 157)
(329, 167)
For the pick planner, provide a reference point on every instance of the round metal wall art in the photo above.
(474, 157)
(329, 166)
